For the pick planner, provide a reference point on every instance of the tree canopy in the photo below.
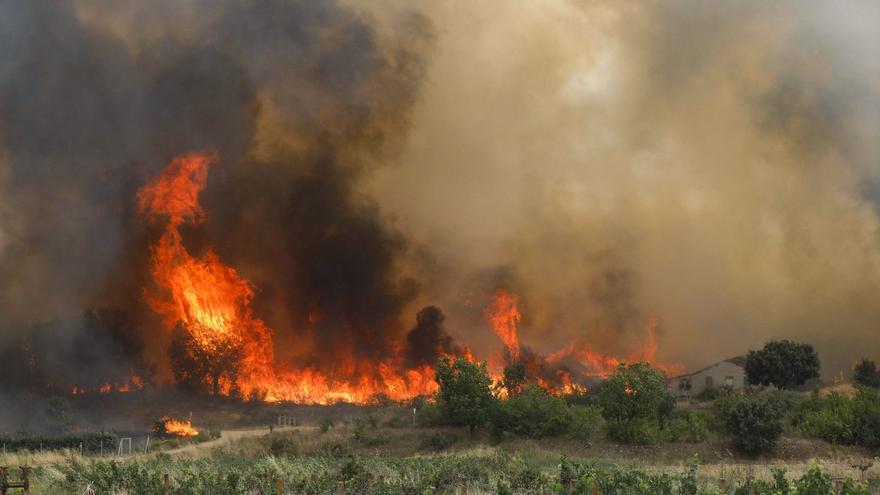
(465, 394)
(783, 363)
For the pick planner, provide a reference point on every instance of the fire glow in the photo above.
(211, 302)
(178, 428)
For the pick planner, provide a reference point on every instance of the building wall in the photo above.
(719, 375)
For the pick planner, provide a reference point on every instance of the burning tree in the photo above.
(194, 366)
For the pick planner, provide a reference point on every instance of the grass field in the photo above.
(408, 460)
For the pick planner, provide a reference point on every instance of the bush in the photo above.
(755, 424)
(282, 445)
(688, 426)
(713, 393)
(532, 413)
(634, 432)
(585, 422)
(866, 416)
(866, 374)
(832, 419)
(635, 391)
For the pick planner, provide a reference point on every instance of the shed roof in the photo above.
(737, 360)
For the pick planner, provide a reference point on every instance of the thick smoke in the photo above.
(711, 165)
(299, 98)
(428, 341)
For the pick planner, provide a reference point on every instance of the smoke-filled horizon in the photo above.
(710, 167)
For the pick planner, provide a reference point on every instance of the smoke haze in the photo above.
(713, 166)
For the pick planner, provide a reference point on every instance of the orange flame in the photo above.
(178, 428)
(211, 301)
(503, 315)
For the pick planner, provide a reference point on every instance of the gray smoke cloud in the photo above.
(711, 165)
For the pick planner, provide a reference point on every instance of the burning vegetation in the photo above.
(169, 427)
(216, 340)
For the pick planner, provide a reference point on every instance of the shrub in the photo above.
(635, 391)
(866, 415)
(866, 374)
(832, 419)
(813, 482)
(282, 446)
(755, 424)
(713, 393)
(585, 422)
(634, 431)
(688, 426)
(430, 414)
(532, 413)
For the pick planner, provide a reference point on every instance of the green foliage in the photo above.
(532, 413)
(634, 431)
(713, 393)
(282, 445)
(635, 402)
(755, 423)
(430, 414)
(91, 442)
(635, 391)
(813, 482)
(465, 394)
(784, 363)
(832, 419)
(585, 422)
(866, 412)
(866, 374)
(839, 419)
(688, 427)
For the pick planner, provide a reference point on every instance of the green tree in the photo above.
(634, 391)
(534, 412)
(866, 374)
(635, 402)
(514, 378)
(783, 363)
(755, 424)
(465, 394)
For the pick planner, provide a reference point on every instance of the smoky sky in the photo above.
(713, 166)
(298, 98)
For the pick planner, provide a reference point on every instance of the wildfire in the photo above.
(178, 428)
(211, 302)
(503, 315)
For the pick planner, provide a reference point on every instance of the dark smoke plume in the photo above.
(300, 99)
(428, 340)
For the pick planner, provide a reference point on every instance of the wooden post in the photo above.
(722, 485)
(340, 488)
(3, 473)
(464, 487)
(594, 487)
(279, 486)
(25, 478)
(165, 484)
